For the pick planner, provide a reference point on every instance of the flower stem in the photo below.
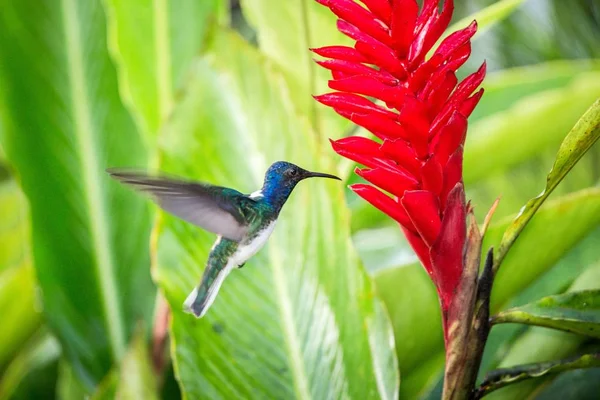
(465, 354)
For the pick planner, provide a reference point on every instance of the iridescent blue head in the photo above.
(282, 177)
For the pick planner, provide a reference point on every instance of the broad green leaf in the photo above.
(107, 389)
(41, 350)
(571, 218)
(542, 344)
(486, 18)
(577, 312)
(17, 278)
(21, 318)
(415, 336)
(137, 379)
(583, 135)
(506, 376)
(63, 125)
(153, 44)
(15, 251)
(301, 318)
(286, 30)
(556, 280)
(533, 123)
(503, 88)
(582, 384)
(68, 387)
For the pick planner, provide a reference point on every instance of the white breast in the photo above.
(247, 250)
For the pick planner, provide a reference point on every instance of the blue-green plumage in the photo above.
(242, 222)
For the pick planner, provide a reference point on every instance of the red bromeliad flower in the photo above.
(421, 128)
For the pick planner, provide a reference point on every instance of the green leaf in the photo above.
(542, 344)
(68, 387)
(556, 280)
(577, 312)
(63, 125)
(412, 303)
(41, 350)
(17, 278)
(286, 30)
(486, 18)
(571, 217)
(503, 377)
(581, 384)
(416, 337)
(21, 319)
(301, 319)
(15, 250)
(503, 88)
(153, 44)
(137, 379)
(542, 118)
(583, 135)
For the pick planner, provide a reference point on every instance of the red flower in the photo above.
(421, 122)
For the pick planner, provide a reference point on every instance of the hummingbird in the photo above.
(242, 222)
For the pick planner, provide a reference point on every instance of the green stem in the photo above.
(506, 376)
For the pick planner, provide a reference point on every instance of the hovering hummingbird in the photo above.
(242, 222)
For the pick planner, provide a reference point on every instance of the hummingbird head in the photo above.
(282, 177)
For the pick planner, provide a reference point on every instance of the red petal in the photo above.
(404, 18)
(354, 68)
(395, 182)
(382, 202)
(401, 152)
(343, 53)
(383, 57)
(452, 174)
(460, 94)
(432, 176)
(363, 151)
(468, 85)
(348, 67)
(381, 8)
(447, 251)
(382, 127)
(451, 136)
(354, 33)
(456, 40)
(431, 32)
(413, 118)
(423, 73)
(339, 75)
(467, 107)
(423, 209)
(428, 12)
(369, 86)
(421, 250)
(459, 57)
(439, 92)
(424, 26)
(359, 17)
(353, 103)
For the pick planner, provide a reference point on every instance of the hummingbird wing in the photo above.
(216, 209)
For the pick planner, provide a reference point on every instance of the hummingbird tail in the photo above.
(199, 301)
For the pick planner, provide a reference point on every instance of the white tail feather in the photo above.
(199, 307)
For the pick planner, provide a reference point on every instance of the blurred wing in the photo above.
(213, 208)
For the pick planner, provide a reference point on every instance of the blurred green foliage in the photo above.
(90, 84)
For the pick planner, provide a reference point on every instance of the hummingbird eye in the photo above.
(292, 172)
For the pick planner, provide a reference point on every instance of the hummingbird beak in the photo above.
(309, 174)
